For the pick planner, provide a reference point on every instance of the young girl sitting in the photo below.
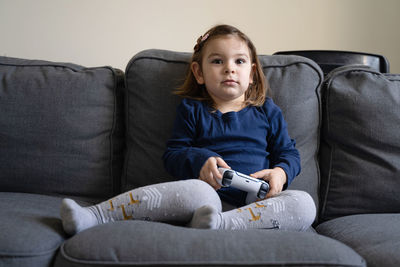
(225, 120)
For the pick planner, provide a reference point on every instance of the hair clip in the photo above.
(203, 38)
(200, 41)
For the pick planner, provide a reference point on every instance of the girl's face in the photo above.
(226, 71)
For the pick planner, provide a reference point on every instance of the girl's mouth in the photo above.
(229, 82)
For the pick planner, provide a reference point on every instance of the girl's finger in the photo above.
(211, 181)
(260, 174)
(222, 163)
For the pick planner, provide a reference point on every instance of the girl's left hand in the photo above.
(276, 178)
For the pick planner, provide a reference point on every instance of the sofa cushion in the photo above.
(152, 75)
(139, 243)
(61, 128)
(31, 231)
(376, 237)
(295, 85)
(360, 147)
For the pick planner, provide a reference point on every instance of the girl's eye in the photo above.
(240, 61)
(216, 61)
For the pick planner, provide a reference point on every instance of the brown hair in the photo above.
(255, 94)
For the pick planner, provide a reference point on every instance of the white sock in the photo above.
(75, 218)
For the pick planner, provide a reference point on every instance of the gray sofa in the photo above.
(90, 133)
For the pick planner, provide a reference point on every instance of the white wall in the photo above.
(110, 32)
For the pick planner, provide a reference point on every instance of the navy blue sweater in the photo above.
(250, 140)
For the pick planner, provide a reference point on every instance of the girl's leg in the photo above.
(165, 202)
(290, 210)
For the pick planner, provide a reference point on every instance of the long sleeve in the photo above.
(182, 159)
(282, 148)
(250, 140)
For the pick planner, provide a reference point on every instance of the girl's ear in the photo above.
(198, 74)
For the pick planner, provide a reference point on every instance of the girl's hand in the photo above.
(209, 172)
(276, 178)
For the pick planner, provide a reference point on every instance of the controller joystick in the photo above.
(255, 188)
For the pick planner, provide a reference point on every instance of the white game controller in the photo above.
(255, 188)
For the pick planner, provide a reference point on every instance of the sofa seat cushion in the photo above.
(31, 231)
(141, 243)
(376, 237)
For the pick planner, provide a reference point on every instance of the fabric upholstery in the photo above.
(31, 231)
(360, 147)
(376, 237)
(161, 244)
(61, 128)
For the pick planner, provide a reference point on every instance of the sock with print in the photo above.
(166, 202)
(290, 210)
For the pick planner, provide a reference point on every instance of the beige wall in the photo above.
(110, 32)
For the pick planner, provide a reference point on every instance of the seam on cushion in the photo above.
(324, 203)
(25, 254)
(158, 59)
(113, 125)
(127, 153)
(75, 68)
(66, 257)
(140, 57)
(326, 97)
(115, 187)
(392, 77)
(120, 96)
(112, 129)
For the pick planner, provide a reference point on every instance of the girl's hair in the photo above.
(255, 94)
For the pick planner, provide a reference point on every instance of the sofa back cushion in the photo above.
(152, 76)
(61, 128)
(360, 148)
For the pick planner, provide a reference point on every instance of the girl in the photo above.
(225, 120)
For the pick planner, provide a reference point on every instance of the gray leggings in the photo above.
(195, 203)
(177, 201)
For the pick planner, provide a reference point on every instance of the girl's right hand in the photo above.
(209, 172)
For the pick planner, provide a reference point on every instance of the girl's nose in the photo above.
(229, 69)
